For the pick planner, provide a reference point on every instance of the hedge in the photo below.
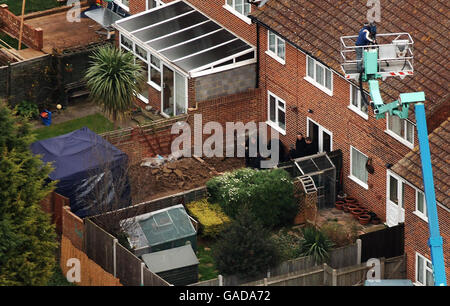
(211, 217)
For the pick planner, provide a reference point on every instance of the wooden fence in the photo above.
(324, 275)
(389, 242)
(104, 249)
(91, 273)
(339, 258)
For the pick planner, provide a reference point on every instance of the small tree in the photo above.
(114, 80)
(27, 238)
(245, 247)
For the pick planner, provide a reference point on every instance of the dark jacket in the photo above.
(300, 148)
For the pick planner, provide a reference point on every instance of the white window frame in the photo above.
(272, 54)
(398, 137)
(313, 81)
(400, 189)
(417, 212)
(158, 2)
(357, 109)
(231, 9)
(425, 269)
(123, 6)
(271, 123)
(151, 65)
(174, 96)
(351, 176)
(321, 130)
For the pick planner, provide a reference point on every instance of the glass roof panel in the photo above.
(212, 55)
(180, 37)
(156, 16)
(323, 163)
(199, 44)
(307, 166)
(170, 26)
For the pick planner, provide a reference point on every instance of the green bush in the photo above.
(269, 194)
(339, 234)
(27, 110)
(316, 244)
(245, 248)
(211, 217)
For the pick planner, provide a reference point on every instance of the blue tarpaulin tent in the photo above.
(91, 171)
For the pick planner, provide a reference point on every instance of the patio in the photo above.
(60, 34)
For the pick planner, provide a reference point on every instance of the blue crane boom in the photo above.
(371, 71)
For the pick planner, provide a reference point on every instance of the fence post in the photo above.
(115, 241)
(382, 259)
(265, 281)
(359, 251)
(220, 280)
(334, 278)
(142, 273)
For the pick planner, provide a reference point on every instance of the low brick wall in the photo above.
(10, 23)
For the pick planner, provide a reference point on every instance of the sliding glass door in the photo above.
(174, 95)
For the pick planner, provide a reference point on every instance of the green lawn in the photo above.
(15, 6)
(96, 123)
(206, 269)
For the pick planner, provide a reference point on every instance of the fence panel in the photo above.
(386, 243)
(128, 267)
(98, 245)
(91, 273)
(151, 279)
(352, 276)
(344, 256)
(395, 268)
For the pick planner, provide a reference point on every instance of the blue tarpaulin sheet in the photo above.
(90, 171)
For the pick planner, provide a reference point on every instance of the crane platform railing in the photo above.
(395, 55)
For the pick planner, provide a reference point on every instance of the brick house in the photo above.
(405, 189)
(200, 57)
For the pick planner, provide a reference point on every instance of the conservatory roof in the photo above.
(186, 38)
(313, 164)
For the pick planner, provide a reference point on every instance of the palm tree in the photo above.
(114, 80)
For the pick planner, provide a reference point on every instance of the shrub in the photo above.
(211, 217)
(316, 244)
(288, 244)
(27, 110)
(339, 234)
(245, 248)
(269, 194)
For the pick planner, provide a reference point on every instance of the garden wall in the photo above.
(10, 23)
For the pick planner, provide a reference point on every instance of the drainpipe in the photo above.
(254, 20)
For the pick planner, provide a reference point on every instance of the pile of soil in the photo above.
(177, 176)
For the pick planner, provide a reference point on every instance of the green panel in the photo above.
(375, 92)
(412, 97)
(371, 61)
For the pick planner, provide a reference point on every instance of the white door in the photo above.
(320, 136)
(395, 211)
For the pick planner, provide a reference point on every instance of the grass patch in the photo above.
(11, 41)
(96, 122)
(207, 268)
(15, 6)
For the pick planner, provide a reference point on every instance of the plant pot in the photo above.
(351, 200)
(346, 209)
(339, 205)
(363, 219)
(351, 207)
(357, 212)
(341, 196)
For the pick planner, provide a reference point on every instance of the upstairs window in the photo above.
(319, 75)
(276, 47)
(401, 129)
(240, 8)
(357, 103)
(421, 206)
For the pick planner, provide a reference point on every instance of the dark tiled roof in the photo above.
(316, 26)
(410, 166)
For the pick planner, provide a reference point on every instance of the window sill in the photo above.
(324, 89)
(359, 182)
(400, 139)
(275, 57)
(358, 111)
(276, 127)
(420, 215)
(239, 15)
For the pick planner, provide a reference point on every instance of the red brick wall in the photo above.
(417, 234)
(10, 24)
(332, 112)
